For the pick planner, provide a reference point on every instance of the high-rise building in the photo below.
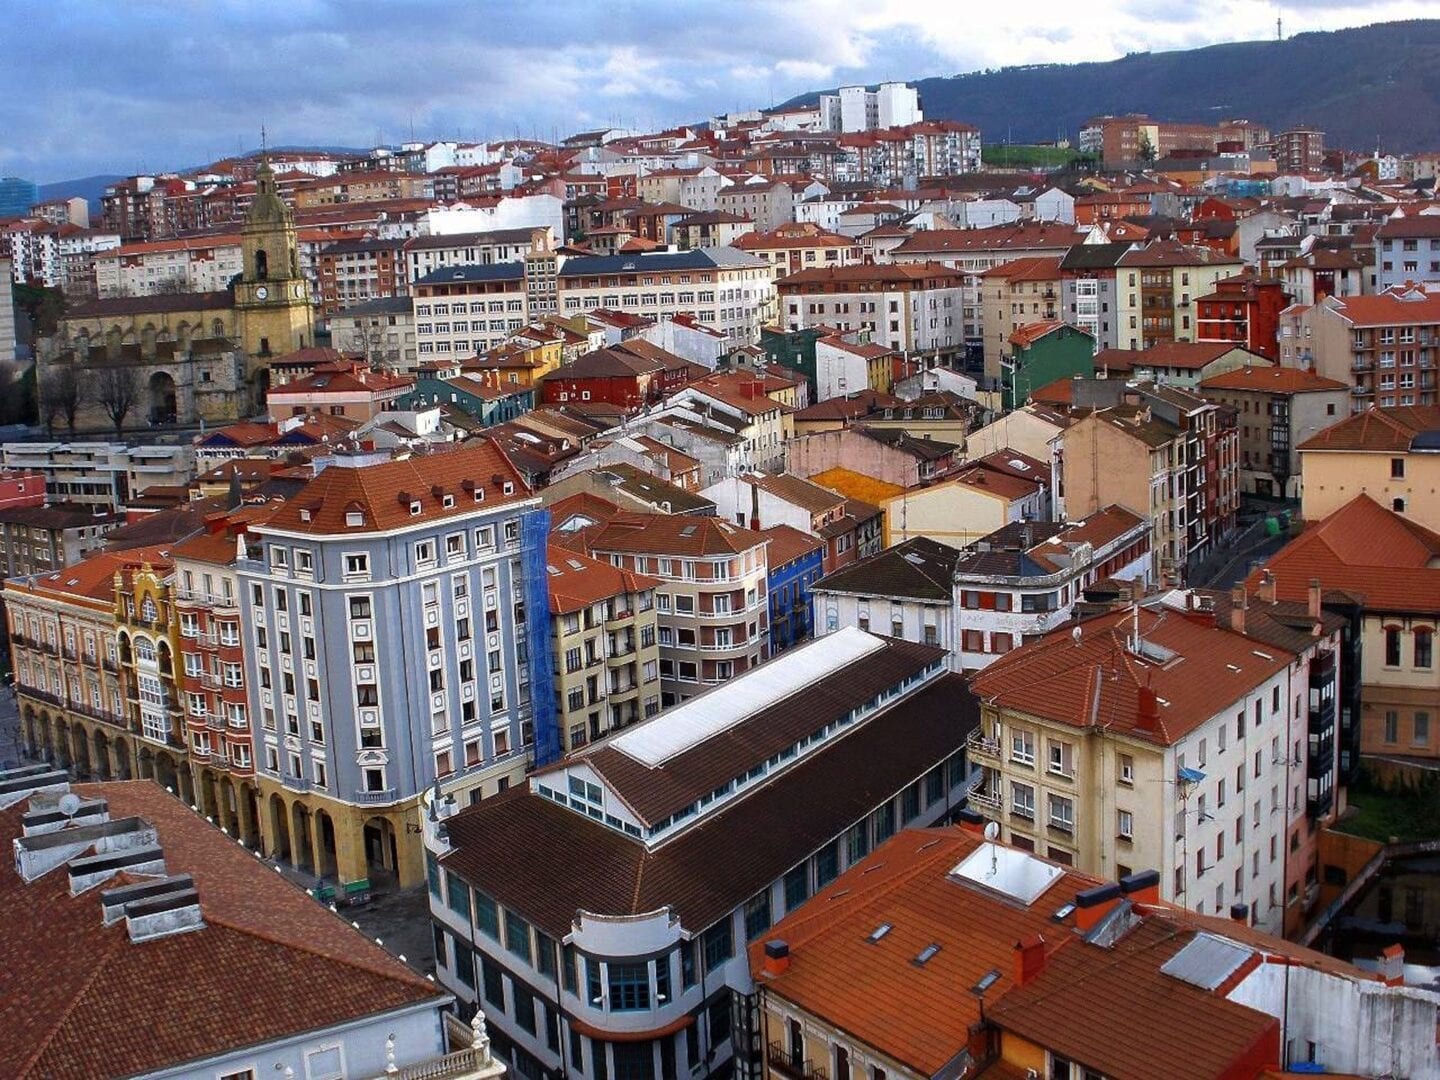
(7, 313)
(17, 196)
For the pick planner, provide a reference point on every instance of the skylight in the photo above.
(878, 933)
(925, 954)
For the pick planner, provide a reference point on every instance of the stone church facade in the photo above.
(197, 356)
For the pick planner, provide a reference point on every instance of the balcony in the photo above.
(786, 1064)
(296, 783)
(376, 798)
(986, 801)
(981, 745)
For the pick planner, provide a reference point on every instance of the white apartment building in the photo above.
(856, 108)
(425, 254)
(103, 474)
(913, 309)
(188, 264)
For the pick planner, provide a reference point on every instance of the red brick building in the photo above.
(1244, 310)
(21, 489)
(630, 375)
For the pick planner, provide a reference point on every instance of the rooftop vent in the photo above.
(37, 855)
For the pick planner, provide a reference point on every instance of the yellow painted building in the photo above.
(1389, 454)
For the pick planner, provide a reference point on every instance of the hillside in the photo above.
(87, 187)
(1374, 83)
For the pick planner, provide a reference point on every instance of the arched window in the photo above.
(148, 611)
(262, 264)
(144, 651)
(217, 329)
(1424, 647)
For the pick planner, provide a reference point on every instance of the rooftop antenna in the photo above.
(992, 833)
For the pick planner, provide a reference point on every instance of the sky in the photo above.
(92, 86)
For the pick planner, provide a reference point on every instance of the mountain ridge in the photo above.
(1362, 86)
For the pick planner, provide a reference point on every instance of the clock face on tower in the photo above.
(262, 293)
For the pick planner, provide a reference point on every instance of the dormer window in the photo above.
(304, 515)
(415, 508)
(508, 488)
(447, 501)
(354, 519)
(479, 494)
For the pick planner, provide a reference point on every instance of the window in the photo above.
(357, 565)
(629, 986)
(457, 895)
(1022, 800)
(1392, 646)
(1424, 648)
(517, 936)
(1392, 726)
(718, 944)
(1420, 734)
(1062, 813)
(1124, 824)
(1062, 756)
(1127, 769)
(1022, 747)
(797, 887)
(757, 915)
(1397, 468)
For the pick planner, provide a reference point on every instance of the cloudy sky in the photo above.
(91, 86)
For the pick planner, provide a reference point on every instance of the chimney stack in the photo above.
(1266, 591)
(1029, 958)
(1239, 601)
(1314, 597)
(1148, 717)
(777, 957)
(972, 821)
(1240, 913)
(1094, 904)
(1141, 887)
(1392, 965)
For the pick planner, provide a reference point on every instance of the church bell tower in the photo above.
(271, 298)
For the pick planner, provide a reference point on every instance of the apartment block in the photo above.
(711, 605)
(912, 309)
(389, 614)
(1157, 289)
(605, 646)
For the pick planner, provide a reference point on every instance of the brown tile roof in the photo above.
(1394, 308)
(1386, 561)
(1033, 332)
(1093, 680)
(667, 535)
(1089, 1001)
(1000, 484)
(146, 305)
(578, 581)
(1389, 430)
(848, 407)
(1272, 379)
(787, 543)
(383, 492)
(918, 569)
(713, 866)
(893, 274)
(796, 490)
(1187, 355)
(82, 999)
(1173, 253)
(656, 792)
(1030, 235)
(56, 516)
(1032, 268)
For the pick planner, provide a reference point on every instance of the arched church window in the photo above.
(262, 264)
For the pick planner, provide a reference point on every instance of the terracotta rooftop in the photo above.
(848, 407)
(668, 535)
(1380, 558)
(796, 490)
(1032, 332)
(1094, 679)
(382, 494)
(1185, 355)
(1272, 379)
(787, 543)
(1397, 307)
(82, 999)
(1391, 430)
(578, 581)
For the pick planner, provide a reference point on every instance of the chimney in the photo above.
(754, 506)
(1392, 965)
(1148, 717)
(1240, 913)
(1239, 601)
(777, 957)
(1094, 904)
(1266, 592)
(1141, 887)
(1029, 958)
(1313, 597)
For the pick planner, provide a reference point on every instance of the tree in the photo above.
(117, 389)
(60, 397)
(1147, 148)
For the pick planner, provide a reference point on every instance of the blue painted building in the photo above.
(795, 564)
(387, 611)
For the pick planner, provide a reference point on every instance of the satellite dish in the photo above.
(69, 804)
(992, 831)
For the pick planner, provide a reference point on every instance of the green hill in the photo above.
(1374, 84)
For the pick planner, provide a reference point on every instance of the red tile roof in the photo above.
(1382, 430)
(667, 535)
(1033, 332)
(383, 493)
(83, 1001)
(1272, 379)
(787, 543)
(1088, 676)
(1378, 556)
(1187, 355)
(1393, 308)
(577, 581)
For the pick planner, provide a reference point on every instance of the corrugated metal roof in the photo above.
(1207, 961)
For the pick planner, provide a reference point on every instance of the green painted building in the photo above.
(792, 349)
(1039, 354)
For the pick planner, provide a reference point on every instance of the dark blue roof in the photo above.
(663, 261)
(450, 275)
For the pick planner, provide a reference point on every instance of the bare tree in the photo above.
(117, 389)
(60, 397)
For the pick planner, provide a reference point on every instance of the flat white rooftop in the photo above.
(677, 730)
